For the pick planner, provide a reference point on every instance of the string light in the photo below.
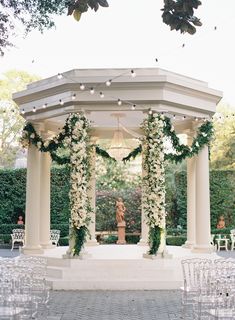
(61, 102)
(92, 91)
(82, 86)
(174, 116)
(108, 83)
(44, 106)
(74, 96)
(133, 74)
(23, 112)
(196, 119)
(59, 76)
(184, 117)
(150, 111)
(101, 95)
(133, 106)
(34, 109)
(119, 102)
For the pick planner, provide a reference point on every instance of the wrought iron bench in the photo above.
(232, 236)
(17, 236)
(55, 236)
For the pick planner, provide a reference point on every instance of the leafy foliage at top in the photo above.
(37, 14)
(179, 15)
(11, 122)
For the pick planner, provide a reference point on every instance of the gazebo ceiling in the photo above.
(55, 97)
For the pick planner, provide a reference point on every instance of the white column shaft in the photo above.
(144, 227)
(191, 202)
(45, 202)
(32, 218)
(203, 230)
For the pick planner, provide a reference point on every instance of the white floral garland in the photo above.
(153, 163)
(79, 163)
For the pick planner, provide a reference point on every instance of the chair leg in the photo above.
(12, 247)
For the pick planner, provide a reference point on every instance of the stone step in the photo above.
(124, 284)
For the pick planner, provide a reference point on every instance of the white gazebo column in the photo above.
(144, 227)
(203, 229)
(32, 215)
(191, 199)
(92, 197)
(45, 200)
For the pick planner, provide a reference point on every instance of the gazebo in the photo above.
(99, 93)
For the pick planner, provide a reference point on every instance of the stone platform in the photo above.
(117, 267)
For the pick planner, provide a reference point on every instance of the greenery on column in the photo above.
(154, 179)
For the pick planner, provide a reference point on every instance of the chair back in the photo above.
(18, 234)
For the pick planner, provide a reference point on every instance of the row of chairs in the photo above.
(18, 236)
(209, 289)
(24, 293)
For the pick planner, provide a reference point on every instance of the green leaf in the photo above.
(103, 3)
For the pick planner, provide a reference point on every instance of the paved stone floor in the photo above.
(114, 305)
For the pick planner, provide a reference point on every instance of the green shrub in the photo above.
(64, 241)
(175, 240)
(5, 238)
(109, 239)
(176, 232)
(132, 239)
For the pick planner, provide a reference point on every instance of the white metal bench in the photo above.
(17, 236)
(55, 236)
(232, 236)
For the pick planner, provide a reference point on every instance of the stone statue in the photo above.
(120, 210)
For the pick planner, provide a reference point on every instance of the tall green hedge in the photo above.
(222, 199)
(13, 189)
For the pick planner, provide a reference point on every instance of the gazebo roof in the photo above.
(174, 94)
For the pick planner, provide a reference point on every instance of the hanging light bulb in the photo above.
(34, 109)
(184, 117)
(133, 106)
(74, 96)
(133, 74)
(119, 102)
(23, 112)
(61, 102)
(150, 111)
(82, 86)
(44, 106)
(101, 95)
(174, 116)
(59, 76)
(108, 83)
(92, 91)
(196, 118)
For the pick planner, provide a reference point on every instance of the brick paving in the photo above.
(114, 305)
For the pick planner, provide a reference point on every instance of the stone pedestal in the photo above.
(121, 233)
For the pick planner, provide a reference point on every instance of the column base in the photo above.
(82, 256)
(159, 255)
(28, 250)
(91, 243)
(121, 242)
(142, 242)
(47, 246)
(203, 249)
(188, 245)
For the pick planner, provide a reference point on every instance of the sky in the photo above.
(131, 34)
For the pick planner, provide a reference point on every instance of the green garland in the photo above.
(154, 239)
(30, 136)
(182, 151)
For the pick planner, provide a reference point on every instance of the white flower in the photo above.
(39, 144)
(32, 136)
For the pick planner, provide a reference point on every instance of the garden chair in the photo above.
(222, 242)
(55, 236)
(232, 236)
(17, 235)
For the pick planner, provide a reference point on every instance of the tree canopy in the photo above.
(11, 122)
(37, 14)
